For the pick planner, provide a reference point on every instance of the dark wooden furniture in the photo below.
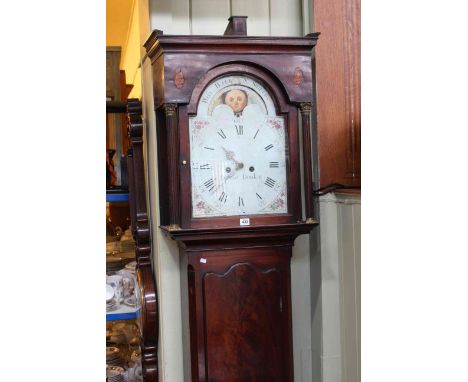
(338, 73)
(238, 277)
(148, 318)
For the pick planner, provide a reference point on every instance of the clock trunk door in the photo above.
(244, 331)
(243, 309)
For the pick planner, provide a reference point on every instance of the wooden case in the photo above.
(238, 277)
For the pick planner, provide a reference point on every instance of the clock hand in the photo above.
(239, 165)
(230, 156)
(229, 176)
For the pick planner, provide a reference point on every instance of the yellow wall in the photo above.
(130, 61)
(117, 21)
(123, 29)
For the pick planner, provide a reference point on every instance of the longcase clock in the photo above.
(230, 110)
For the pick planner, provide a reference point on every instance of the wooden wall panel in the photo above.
(338, 68)
(114, 124)
(112, 72)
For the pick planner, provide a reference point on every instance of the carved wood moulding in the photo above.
(149, 318)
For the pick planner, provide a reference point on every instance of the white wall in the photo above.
(207, 17)
(336, 290)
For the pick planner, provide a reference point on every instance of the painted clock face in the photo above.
(238, 151)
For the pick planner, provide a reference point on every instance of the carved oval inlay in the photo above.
(298, 76)
(179, 79)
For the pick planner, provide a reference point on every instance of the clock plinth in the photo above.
(228, 113)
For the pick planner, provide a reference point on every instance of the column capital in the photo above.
(305, 107)
(169, 109)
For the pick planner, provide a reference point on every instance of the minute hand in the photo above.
(230, 156)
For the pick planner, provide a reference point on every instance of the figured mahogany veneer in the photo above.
(149, 318)
(246, 325)
(191, 54)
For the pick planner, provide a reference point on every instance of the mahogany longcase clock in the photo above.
(229, 110)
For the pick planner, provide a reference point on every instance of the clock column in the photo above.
(172, 134)
(306, 108)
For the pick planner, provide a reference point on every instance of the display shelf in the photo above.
(116, 197)
(123, 313)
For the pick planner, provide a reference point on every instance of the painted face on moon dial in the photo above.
(238, 151)
(236, 99)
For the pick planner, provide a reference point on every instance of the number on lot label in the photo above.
(244, 221)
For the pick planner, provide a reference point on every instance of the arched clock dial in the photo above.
(238, 151)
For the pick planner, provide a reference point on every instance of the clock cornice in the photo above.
(158, 43)
(179, 62)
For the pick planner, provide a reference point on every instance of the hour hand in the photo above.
(229, 154)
